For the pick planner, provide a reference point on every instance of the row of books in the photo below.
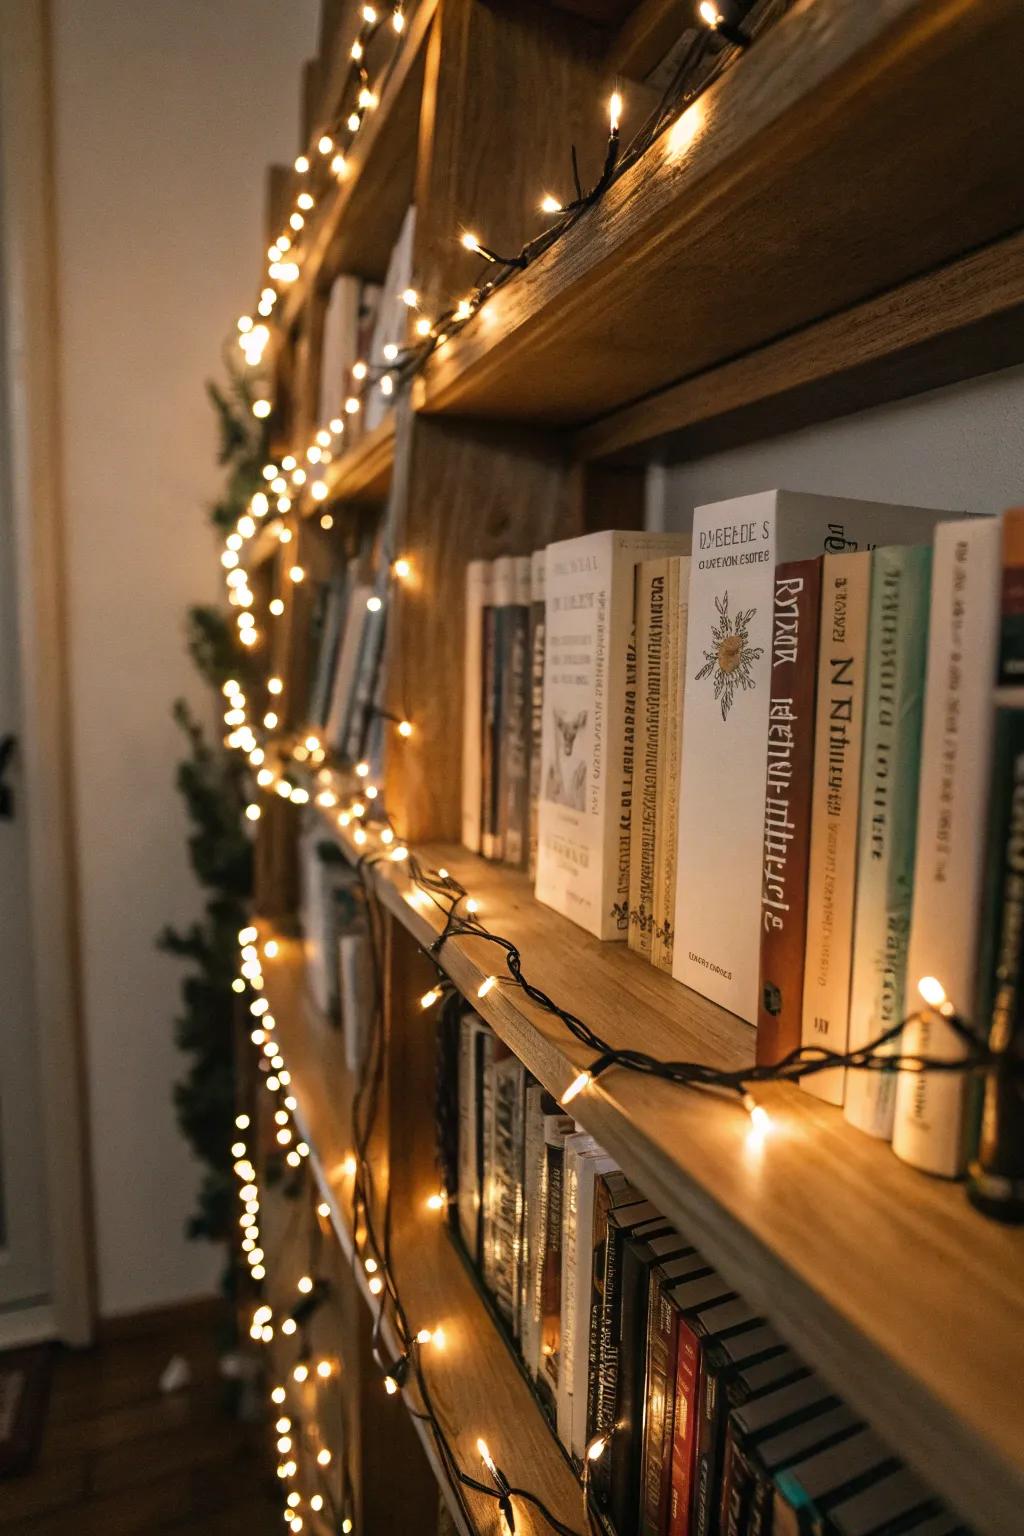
(336, 941)
(689, 1413)
(504, 659)
(361, 319)
(763, 758)
(348, 620)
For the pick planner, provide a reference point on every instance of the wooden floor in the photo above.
(119, 1457)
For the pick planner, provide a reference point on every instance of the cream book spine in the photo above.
(835, 807)
(650, 620)
(736, 547)
(478, 591)
(589, 725)
(956, 758)
(890, 773)
(670, 745)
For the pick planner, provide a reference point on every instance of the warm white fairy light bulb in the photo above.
(550, 204)
(614, 111)
(486, 985)
(576, 1087)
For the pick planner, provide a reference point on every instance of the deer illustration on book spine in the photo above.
(732, 656)
(562, 786)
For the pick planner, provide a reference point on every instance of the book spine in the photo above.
(566, 1364)
(649, 610)
(787, 808)
(478, 575)
(551, 1269)
(486, 1067)
(619, 910)
(469, 1184)
(736, 1487)
(995, 1172)
(661, 1317)
(602, 1204)
(533, 1229)
(506, 1178)
(536, 647)
(358, 989)
(669, 757)
(607, 1386)
(900, 591)
(685, 1426)
(515, 723)
(956, 752)
(489, 748)
(835, 803)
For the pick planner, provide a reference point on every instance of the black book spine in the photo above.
(626, 1441)
(608, 1363)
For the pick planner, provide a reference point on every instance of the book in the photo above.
(506, 1185)
(643, 1221)
(473, 1037)
(343, 681)
(650, 603)
(478, 590)
(1010, 671)
(513, 623)
(893, 709)
(492, 1051)
(536, 654)
(584, 1162)
(338, 345)
(956, 756)
(364, 695)
(502, 598)
(357, 985)
(391, 321)
(796, 619)
(557, 1130)
(995, 1170)
(611, 1191)
(589, 726)
(326, 626)
(737, 546)
(777, 1450)
(835, 808)
(670, 743)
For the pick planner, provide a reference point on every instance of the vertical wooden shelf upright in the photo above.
(622, 346)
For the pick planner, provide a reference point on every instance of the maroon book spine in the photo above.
(684, 1430)
(787, 808)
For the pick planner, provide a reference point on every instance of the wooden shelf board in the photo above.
(761, 213)
(359, 223)
(362, 472)
(906, 1300)
(477, 1386)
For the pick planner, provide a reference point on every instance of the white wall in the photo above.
(960, 447)
(166, 115)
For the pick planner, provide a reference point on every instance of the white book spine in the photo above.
(478, 584)
(956, 752)
(570, 1186)
(589, 719)
(356, 977)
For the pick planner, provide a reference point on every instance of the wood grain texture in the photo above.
(866, 1265)
(763, 210)
(965, 319)
(468, 491)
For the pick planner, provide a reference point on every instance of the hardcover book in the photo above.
(344, 677)
(611, 1191)
(737, 546)
(514, 762)
(557, 1130)
(506, 1193)
(787, 808)
(478, 594)
(670, 743)
(589, 726)
(473, 1035)
(898, 631)
(835, 808)
(956, 756)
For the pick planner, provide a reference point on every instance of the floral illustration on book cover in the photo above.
(731, 657)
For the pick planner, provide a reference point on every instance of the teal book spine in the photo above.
(893, 713)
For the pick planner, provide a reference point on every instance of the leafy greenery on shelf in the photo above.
(212, 782)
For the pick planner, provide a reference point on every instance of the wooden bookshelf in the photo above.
(835, 223)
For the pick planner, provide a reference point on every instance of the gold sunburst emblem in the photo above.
(731, 657)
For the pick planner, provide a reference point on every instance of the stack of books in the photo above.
(765, 760)
(687, 1411)
(504, 661)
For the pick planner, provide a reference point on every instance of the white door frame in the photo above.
(28, 232)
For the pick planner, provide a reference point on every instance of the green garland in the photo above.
(211, 781)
